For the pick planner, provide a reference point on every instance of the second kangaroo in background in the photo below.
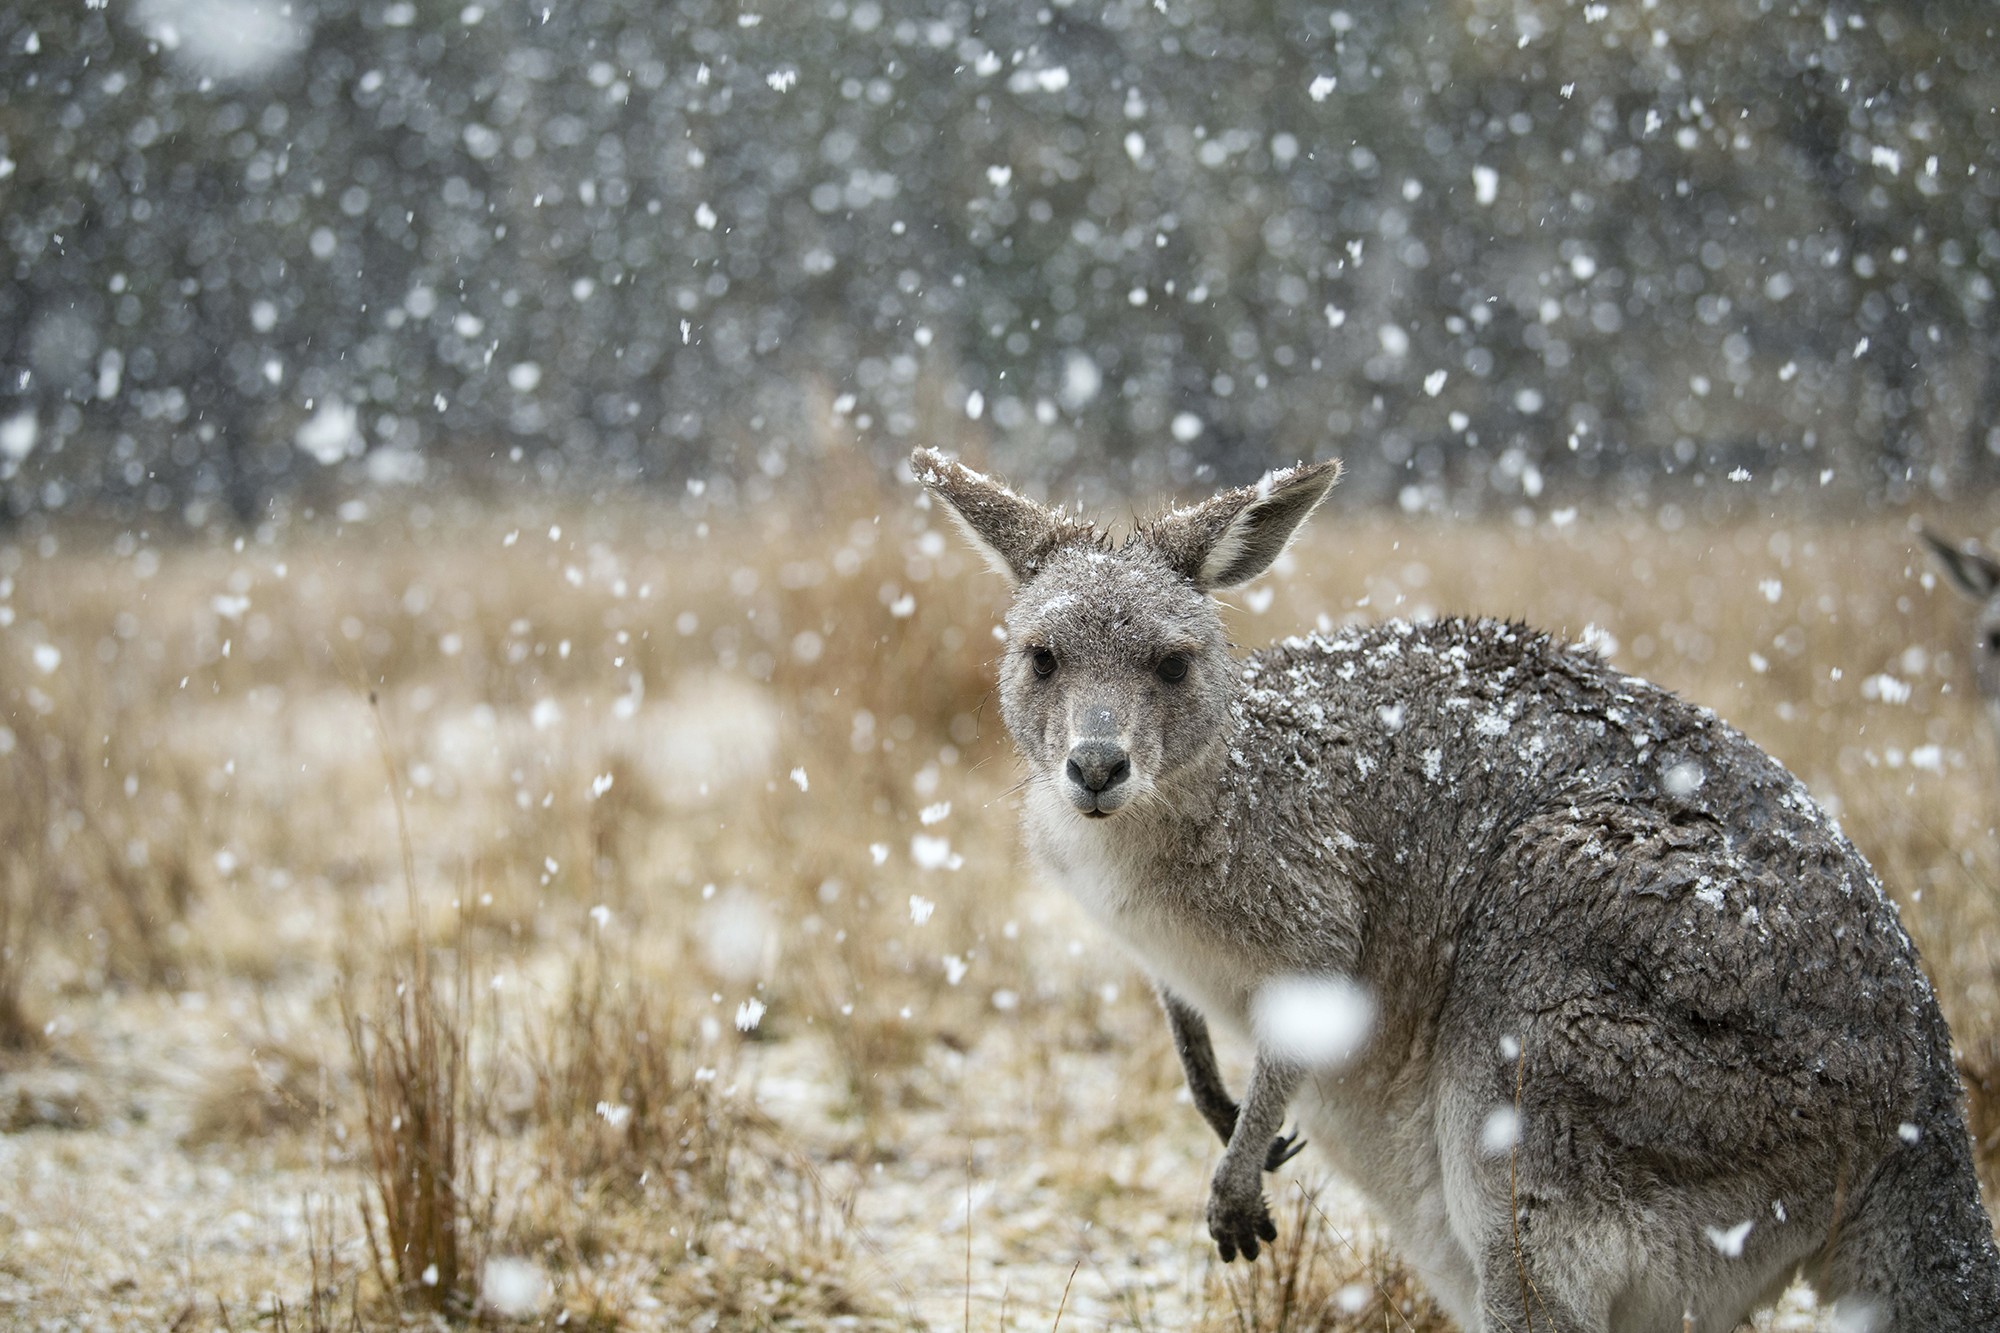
(1978, 577)
(1610, 1022)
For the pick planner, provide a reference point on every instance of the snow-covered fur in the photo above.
(1648, 1039)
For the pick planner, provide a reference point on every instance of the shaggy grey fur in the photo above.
(1648, 1039)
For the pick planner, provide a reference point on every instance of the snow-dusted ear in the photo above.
(1012, 532)
(1235, 536)
(1970, 568)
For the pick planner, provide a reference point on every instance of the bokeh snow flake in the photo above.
(931, 852)
(226, 39)
(1885, 688)
(513, 1287)
(1323, 1021)
(331, 433)
(1500, 1131)
(1682, 778)
(18, 435)
(1597, 639)
(1728, 1241)
(738, 933)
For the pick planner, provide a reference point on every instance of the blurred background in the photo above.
(257, 252)
(502, 813)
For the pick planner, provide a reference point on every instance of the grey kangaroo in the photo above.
(1646, 1039)
(1978, 577)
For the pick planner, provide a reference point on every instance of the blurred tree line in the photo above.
(255, 252)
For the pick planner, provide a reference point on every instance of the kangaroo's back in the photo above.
(1600, 914)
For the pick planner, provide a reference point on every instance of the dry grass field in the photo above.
(612, 917)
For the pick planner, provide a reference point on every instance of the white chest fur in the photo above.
(1112, 868)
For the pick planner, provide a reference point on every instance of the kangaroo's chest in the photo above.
(1123, 884)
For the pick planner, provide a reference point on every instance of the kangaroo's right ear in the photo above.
(1011, 531)
(1970, 568)
(1236, 535)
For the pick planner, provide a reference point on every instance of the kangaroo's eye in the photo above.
(1993, 643)
(1044, 662)
(1173, 668)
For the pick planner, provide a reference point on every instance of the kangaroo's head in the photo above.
(1117, 676)
(1978, 576)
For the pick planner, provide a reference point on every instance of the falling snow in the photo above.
(1321, 1021)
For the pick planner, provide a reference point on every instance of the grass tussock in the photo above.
(685, 954)
(620, 1097)
(427, 1214)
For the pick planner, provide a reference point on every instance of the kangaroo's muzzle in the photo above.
(1097, 770)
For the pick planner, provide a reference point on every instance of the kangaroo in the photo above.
(1978, 576)
(1645, 1039)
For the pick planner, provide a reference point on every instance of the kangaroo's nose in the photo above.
(1098, 765)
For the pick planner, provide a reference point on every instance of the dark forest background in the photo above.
(256, 254)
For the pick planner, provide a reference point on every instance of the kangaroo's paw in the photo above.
(1283, 1149)
(1238, 1221)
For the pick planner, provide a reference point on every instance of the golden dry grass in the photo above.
(685, 1002)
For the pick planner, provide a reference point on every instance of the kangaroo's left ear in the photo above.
(1013, 532)
(1235, 536)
